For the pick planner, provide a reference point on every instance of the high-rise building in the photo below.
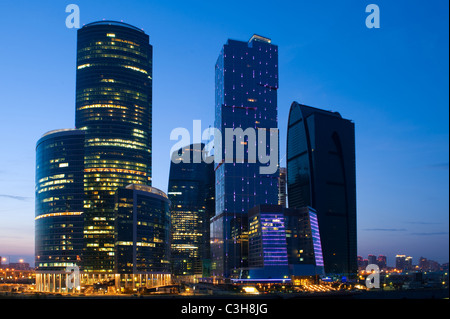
(246, 75)
(191, 193)
(59, 208)
(114, 109)
(403, 262)
(142, 234)
(59, 200)
(321, 174)
(372, 259)
(282, 188)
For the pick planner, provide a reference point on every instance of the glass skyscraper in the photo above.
(114, 109)
(246, 82)
(59, 203)
(191, 192)
(142, 235)
(321, 174)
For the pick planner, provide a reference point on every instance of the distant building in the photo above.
(402, 262)
(372, 259)
(19, 266)
(142, 226)
(428, 265)
(382, 261)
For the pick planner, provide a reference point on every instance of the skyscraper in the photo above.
(59, 199)
(321, 174)
(246, 75)
(58, 204)
(142, 234)
(191, 192)
(114, 108)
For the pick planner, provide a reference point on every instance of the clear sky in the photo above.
(392, 82)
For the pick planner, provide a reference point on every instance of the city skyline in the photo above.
(397, 224)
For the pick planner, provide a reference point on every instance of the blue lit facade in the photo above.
(246, 97)
(267, 238)
(321, 173)
(283, 242)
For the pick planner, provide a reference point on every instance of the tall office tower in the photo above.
(191, 193)
(114, 108)
(282, 188)
(142, 226)
(246, 75)
(58, 204)
(321, 174)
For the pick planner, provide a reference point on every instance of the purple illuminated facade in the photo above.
(283, 242)
(267, 239)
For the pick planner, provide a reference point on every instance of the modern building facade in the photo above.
(191, 193)
(282, 187)
(142, 237)
(303, 237)
(267, 237)
(59, 200)
(59, 195)
(246, 97)
(283, 242)
(114, 109)
(321, 174)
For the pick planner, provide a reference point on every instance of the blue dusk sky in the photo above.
(392, 82)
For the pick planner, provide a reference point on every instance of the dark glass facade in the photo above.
(321, 174)
(304, 245)
(191, 193)
(246, 97)
(59, 200)
(114, 108)
(142, 226)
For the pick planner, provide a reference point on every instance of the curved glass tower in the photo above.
(321, 174)
(142, 225)
(114, 108)
(59, 200)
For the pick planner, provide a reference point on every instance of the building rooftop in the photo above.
(115, 23)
